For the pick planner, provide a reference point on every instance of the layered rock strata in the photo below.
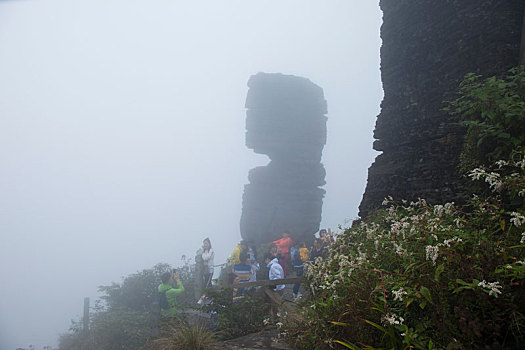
(285, 120)
(428, 47)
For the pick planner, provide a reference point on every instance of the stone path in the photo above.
(267, 339)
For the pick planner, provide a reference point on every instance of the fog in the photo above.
(122, 134)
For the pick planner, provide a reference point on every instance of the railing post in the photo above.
(86, 315)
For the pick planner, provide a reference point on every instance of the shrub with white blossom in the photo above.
(423, 276)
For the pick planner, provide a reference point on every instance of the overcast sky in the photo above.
(122, 134)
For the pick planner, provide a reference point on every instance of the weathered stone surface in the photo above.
(266, 339)
(428, 47)
(285, 120)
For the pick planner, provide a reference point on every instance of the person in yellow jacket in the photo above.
(235, 257)
(168, 293)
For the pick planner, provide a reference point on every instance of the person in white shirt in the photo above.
(275, 271)
(204, 265)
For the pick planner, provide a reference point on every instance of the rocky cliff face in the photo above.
(286, 121)
(428, 47)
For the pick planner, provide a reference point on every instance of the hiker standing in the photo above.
(283, 247)
(235, 257)
(275, 271)
(319, 249)
(207, 257)
(204, 265)
(298, 264)
(253, 262)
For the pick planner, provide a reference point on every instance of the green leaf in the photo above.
(439, 271)
(376, 326)
(426, 293)
(459, 281)
(339, 323)
(346, 344)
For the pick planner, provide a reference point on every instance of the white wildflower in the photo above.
(502, 163)
(421, 203)
(517, 219)
(449, 208)
(493, 287)
(521, 163)
(458, 222)
(521, 193)
(439, 210)
(396, 228)
(392, 319)
(494, 180)
(361, 258)
(452, 240)
(433, 224)
(398, 294)
(400, 250)
(522, 237)
(476, 174)
(432, 253)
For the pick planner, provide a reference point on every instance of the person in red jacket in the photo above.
(283, 247)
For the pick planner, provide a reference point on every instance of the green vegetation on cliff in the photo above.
(414, 275)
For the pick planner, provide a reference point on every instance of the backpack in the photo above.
(296, 256)
(163, 301)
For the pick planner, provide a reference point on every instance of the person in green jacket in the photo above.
(167, 287)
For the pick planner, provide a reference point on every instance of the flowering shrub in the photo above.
(425, 276)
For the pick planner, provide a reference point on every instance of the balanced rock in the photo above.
(285, 120)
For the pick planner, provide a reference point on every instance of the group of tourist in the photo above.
(279, 257)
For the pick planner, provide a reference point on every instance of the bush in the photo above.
(237, 318)
(423, 276)
(492, 109)
(414, 275)
(122, 318)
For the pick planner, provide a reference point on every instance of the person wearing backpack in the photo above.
(168, 294)
(298, 265)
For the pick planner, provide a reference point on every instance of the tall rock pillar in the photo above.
(285, 120)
